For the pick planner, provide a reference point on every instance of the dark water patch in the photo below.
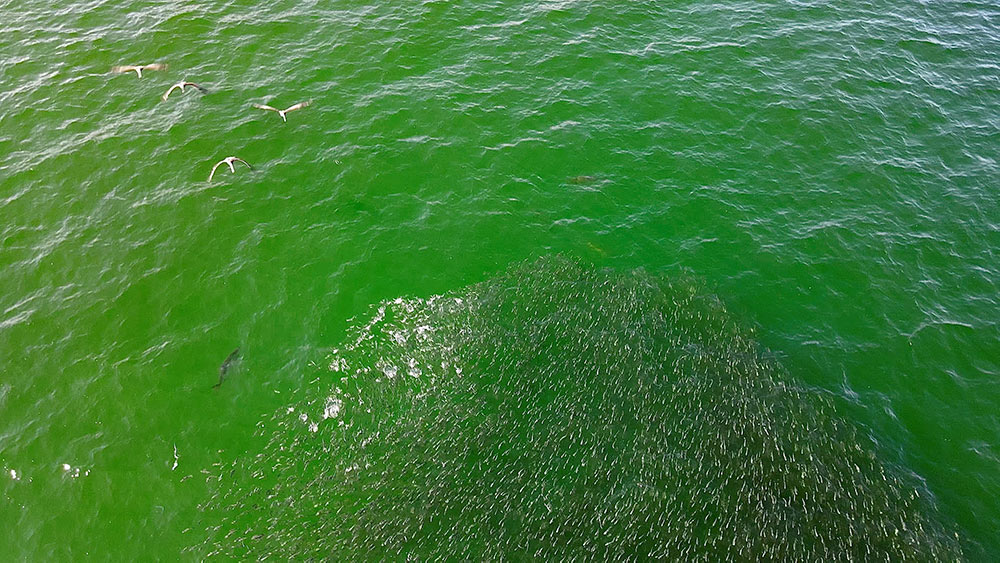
(562, 411)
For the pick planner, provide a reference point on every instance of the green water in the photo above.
(826, 170)
(516, 419)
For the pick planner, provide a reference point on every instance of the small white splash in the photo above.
(290, 410)
(414, 369)
(332, 409)
(14, 475)
(313, 427)
(304, 417)
(73, 472)
(389, 370)
(176, 458)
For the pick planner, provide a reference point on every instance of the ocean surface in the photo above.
(551, 279)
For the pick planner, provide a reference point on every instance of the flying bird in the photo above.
(138, 68)
(282, 112)
(181, 86)
(228, 160)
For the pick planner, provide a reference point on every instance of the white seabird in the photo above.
(228, 160)
(181, 85)
(282, 112)
(138, 68)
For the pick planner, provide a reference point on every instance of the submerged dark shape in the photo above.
(559, 412)
(226, 364)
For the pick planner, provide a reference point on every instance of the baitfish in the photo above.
(224, 368)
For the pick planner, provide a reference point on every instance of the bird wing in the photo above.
(123, 68)
(217, 165)
(154, 66)
(243, 161)
(172, 88)
(299, 105)
(262, 106)
(203, 90)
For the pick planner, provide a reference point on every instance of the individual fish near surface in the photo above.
(137, 69)
(596, 248)
(226, 364)
(579, 180)
(180, 85)
(228, 160)
(282, 112)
